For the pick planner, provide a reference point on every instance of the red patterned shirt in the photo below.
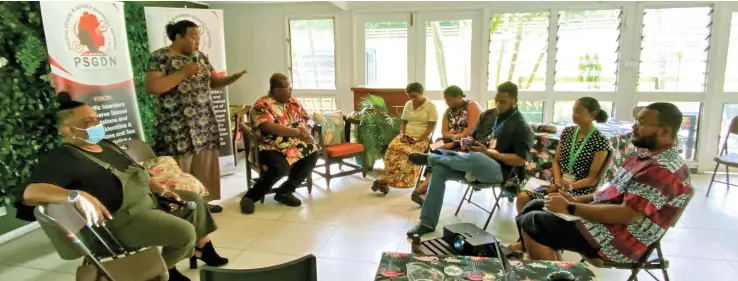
(291, 114)
(655, 183)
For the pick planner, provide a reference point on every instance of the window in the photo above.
(731, 69)
(730, 111)
(674, 49)
(518, 45)
(564, 109)
(531, 110)
(448, 54)
(321, 104)
(311, 44)
(587, 50)
(687, 137)
(386, 54)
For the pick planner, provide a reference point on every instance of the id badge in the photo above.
(569, 178)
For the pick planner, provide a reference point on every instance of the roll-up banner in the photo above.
(88, 53)
(212, 44)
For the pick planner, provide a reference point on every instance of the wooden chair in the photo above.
(337, 154)
(302, 269)
(236, 112)
(251, 142)
(725, 158)
(652, 260)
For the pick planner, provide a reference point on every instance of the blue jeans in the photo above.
(451, 165)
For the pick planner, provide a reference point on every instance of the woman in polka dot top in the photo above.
(580, 154)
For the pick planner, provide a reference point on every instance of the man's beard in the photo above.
(647, 142)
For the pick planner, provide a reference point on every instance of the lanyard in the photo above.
(576, 150)
(499, 126)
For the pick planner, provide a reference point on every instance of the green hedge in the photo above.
(138, 46)
(26, 94)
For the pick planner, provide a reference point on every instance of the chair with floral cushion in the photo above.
(251, 144)
(333, 133)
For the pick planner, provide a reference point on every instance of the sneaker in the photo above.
(288, 199)
(419, 230)
(247, 205)
(418, 158)
(418, 198)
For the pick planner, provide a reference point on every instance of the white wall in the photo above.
(256, 35)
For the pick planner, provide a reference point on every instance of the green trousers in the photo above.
(176, 232)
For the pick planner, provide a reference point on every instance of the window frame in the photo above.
(312, 92)
(360, 44)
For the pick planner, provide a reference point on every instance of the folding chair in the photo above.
(513, 180)
(138, 150)
(302, 269)
(726, 158)
(62, 224)
(652, 260)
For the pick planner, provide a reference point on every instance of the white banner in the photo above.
(88, 53)
(212, 43)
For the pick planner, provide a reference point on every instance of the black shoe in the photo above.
(417, 198)
(418, 158)
(215, 209)
(419, 230)
(209, 256)
(247, 205)
(288, 199)
(379, 186)
(175, 275)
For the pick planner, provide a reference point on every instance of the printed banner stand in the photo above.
(88, 53)
(212, 43)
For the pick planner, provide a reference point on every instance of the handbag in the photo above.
(125, 265)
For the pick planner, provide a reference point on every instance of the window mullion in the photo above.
(553, 30)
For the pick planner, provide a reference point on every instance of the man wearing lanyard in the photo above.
(498, 143)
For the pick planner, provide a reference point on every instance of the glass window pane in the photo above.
(731, 69)
(385, 54)
(531, 110)
(313, 55)
(674, 49)
(448, 54)
(587, 50)
(690, 126)
(730, 111)
(518, 45)
(564, 109)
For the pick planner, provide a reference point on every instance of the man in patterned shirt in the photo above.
(622, 220)
(181, 77)
(286, 147)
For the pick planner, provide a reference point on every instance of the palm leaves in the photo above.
(377, 127)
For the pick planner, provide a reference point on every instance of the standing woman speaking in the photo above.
(181, 77)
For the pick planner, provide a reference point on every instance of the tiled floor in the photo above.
(347, 227)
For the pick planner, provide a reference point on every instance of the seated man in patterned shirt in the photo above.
(621, 221)
(286, 147)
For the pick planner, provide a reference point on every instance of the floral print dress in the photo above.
(184, 119)
(458, 119)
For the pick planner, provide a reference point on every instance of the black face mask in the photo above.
(647, 142)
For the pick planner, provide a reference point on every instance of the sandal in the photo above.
(380, 186)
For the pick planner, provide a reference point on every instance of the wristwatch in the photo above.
(571, 208)
(72, 196)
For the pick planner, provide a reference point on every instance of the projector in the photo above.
(470, 240)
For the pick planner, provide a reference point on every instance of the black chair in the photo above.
(302, 269)
(512, 181)
(652, 260)
(726, 158)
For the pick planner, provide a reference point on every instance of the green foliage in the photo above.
(27, 97)
(138, 46)
(377, 128)
(590, 70)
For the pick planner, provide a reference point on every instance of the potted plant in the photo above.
(377, 128)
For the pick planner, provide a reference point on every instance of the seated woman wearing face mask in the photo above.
(107, 186)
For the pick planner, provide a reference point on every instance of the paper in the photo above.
(436, 145)
(535, 183)
(566, 217)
